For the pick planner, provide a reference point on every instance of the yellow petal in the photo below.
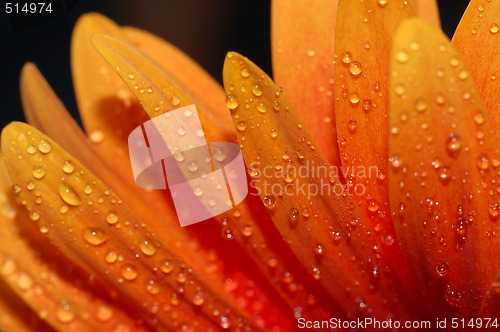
(477, 39)
(316, 227)
(363, 42)
(91, 226)
(303, 48)
(427, 10)
(443, 174)
(187, 71)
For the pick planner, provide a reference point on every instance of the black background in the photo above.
(204, 29)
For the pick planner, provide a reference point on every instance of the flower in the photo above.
(415, 241)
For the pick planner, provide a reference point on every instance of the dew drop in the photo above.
(219, 154)
(355, 68)
(68, 167)
(494, 28)
(147, 248)
(44, 146)
(197, 191)
(257, 90)
(269, 201)
(453, 144)
(352, 125)
(175, 101)
(152, 287)
(167, 267)
(96, 136)
(442, 268)
(112, 217)
(402, 56)
(198, 299)
(242, 125)
(382, 3)
(274, 134)
(16, 188)
(231, 102)
(244, 72)
(193, 166)
(261, 107)
(8, 266)
(494, 211)
(68, 194)
(130, 76)
(34, 215)
(111, 256)
(31, 149)
(483, 162)
(38, 172)
(24, 281)
(347, 58)
(354, 98)
(129, 272)
(453, 297)
(293, 216)
(420, 105)
(94, 236)
(318, 249)
(104, 313)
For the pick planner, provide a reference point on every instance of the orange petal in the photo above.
(182, 67)
(363, 42)
(275, 147)
(303, 39)
(477, 39)
(109, 240)
(427, 10)
(443, 174)
(102, 97)
(491, 302)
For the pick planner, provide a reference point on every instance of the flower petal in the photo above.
(477, 39)
(316, 227)
(363, 41)
(303, 48)
(187, 71)
(273, 259)
(444, 172)
(102, 97)
(107, 227)
(427, 10)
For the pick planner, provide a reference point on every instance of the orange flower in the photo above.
(394, 218)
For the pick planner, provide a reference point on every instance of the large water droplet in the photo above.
(129, 272)
(68, 194)
(355, 68)
(68, 167)
(94, 236)
(38, 172)
(231, 102)
(147, 248)
(44, 146)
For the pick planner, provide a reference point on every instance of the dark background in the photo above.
(204, 29)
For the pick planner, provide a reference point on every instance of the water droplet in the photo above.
(399, 89)
(420, 105)
(463, 74)
(179, 157)
(147, 248)
(453, 297)
(31, 149)
(24, 281)
(38, 172)
(395, 161)
(479, 118)
(68, 194)
(494, 28)
(244, 72)
(293, 216)
(402, 56)
(8, 266)
(167, 267)
(352, 125)
(274, 134)
(34, 215)
(318, 249)
(442, 268)
(198, 299)
(261, 107)
(242, 125)
(231, 102)
(65, 312)
(483, 162)
(130, 76)
(440, 99)
(247, 231)
(382, 3)
(175, 101)
(311, 53)
(316, 273)
(301, 154)
(453, 144)
(347, 58)
(96, 136)
(197, 191)
(224, 322)
(454, 62)
(94, 236)
(269, 201)
(16, 188)
(44, 146)
(355, 68)
(257, 90)
(68, 167)
(354, 98)
(193, 166)
(444, 174)
(104, 313)
(494, 211)
(219, 154)
(111, 256)
(152, 287)
(129, 272)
